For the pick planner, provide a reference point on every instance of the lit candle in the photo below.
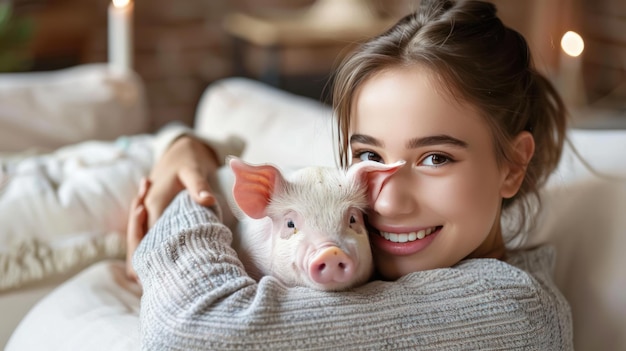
(121, 35)
(570, 69)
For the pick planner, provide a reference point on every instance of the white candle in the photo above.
(570, 69)
(120, 41)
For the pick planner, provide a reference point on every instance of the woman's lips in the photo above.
(402, 244)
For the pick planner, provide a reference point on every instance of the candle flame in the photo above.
(572, 43)
(120, 3)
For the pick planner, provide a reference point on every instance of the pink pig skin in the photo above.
(306, 228)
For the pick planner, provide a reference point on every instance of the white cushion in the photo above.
(278, 127)
(46, 110)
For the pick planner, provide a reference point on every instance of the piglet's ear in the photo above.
(374, 175)
(254, 186)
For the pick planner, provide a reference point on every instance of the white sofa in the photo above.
(583, 217)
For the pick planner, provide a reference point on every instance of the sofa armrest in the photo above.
(47, 110)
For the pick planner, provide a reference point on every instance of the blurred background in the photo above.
(182, 46)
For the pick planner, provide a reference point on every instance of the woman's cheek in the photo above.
(464, 199)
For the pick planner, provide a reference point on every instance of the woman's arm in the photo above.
(183, 160)
(197, 296)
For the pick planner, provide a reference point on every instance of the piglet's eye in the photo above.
(352, 219)
(292, 225)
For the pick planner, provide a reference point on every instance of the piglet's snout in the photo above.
(331, 265)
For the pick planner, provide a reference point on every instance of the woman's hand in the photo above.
(186, 164)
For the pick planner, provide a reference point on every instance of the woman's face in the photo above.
(444, 204)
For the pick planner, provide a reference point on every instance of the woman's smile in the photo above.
(404, 243)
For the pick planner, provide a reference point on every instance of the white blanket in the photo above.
(67, 209)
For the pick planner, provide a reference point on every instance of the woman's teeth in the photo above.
(406, 237)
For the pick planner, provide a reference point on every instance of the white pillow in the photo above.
(278, 127)
(46, 110)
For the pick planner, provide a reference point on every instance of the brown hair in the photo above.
(477, 59)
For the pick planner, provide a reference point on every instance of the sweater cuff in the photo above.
(232, 145)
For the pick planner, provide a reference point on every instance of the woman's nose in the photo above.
(396, 195)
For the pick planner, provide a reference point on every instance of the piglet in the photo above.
(306, 228)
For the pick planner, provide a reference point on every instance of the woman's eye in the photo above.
(435, 160)
(369, 156)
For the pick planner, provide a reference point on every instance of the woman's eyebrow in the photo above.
(435, 140)
(413, 143)
(365, 139)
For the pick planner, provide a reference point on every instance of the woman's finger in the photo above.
(144, 185)
(197, 185)
(137, 226)
(135, 233)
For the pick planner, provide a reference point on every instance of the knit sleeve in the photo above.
(197, 296)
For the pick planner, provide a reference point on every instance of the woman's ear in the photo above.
(523, 150)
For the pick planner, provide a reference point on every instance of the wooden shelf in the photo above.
(298, 30)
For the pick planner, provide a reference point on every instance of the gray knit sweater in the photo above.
(197, 296)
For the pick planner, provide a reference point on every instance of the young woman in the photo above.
(450, 90)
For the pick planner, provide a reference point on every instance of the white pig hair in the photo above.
(310, 188)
